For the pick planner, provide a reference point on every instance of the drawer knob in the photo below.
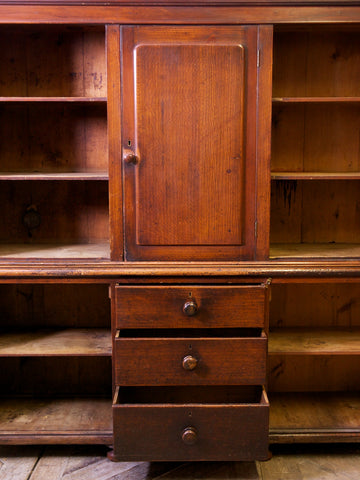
(190, 308)
(189, 362)
(189, 436)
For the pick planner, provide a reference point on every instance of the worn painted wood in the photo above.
(311, 462)
(88, 463)
(17, 464)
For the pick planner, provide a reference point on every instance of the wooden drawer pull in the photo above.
(189, 362)
(190, 308)
(189, 436)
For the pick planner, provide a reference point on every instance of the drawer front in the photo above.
(190, 307)
(191, 432)
(190, 361)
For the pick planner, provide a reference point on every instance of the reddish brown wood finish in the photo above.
(180, 15)
(234, 431)
(61, 74)
(114, 139)
(179, 2)
(217, 306)
(263, 154)
(220, 361)
(190, 192)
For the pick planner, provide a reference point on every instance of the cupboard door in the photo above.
(189, 142)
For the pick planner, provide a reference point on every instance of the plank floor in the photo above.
(306, 462)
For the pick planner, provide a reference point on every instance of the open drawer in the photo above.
(190, 423)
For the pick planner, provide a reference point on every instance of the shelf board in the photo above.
(55, 251)
(66, 342)
(304, 251)
(314, 417)
(59, 420)
(281, 100)
(315, 175)
(314, 341)
(101, 175)
(53, 100)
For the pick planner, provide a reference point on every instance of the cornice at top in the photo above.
(188, 3)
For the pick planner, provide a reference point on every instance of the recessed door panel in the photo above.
(189, 139)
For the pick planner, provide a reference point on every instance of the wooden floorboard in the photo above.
(289, 462)
(18, 463)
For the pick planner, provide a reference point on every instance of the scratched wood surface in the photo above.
(308, 462)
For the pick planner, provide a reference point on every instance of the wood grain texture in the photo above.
(309, 138)
(58, 218)
(313, 461)
(72, 176)
(57, 377)
(53, 137)
(314, 341)
(316, 305)
(18, 465)
(58, 251)
(80, 463)
(221, 431)
(52, 61)
(315, 175)
(172, 15)
(302, 251)
(313, 373)
(220, 361)
(322, 63)
(263, 154)
(218, 306)
(281, 100)
(179, 2)
(59, 420)
(53, 99)
(197, 150)
(61, 305)
(114, 141)
(314, 413)
(78, 342)
(316, 212)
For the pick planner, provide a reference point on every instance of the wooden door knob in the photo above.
(190, 308)
(131, 159)
(189, 436)
(189, 362)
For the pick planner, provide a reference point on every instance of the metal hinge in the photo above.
(258, 58)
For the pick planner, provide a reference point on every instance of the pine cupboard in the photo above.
(179, 237)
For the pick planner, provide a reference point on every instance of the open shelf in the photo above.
(53, 99)
(315, 175)
(55, 251)
(54, 220)
(52, 61)
(315, 137)
(100, 175)
(317, 219)
(314, 341)
(305, 251)
(314, 417)
(316, 62)
(73, 420)
(53, 138)
(282, 100)
(65, 342)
